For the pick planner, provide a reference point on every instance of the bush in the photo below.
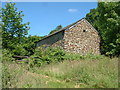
(7, 55)
(19, 50)
(72, 56)
(48, 55)
(95, 57)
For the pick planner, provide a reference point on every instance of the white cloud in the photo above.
(71, 10)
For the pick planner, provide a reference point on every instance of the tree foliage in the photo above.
(14, 32)
(56, 29)
(106, 19)
(30, 43)
(13, 28)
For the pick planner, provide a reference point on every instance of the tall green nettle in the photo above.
(13, 30)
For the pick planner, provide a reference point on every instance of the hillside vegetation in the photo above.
(90, 72)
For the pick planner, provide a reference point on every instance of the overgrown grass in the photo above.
(88, 72)
(72, 56)
(19, 76)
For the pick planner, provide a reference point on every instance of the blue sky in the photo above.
(45, 16)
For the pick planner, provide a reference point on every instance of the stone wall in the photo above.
(59, 43)
(82, 38)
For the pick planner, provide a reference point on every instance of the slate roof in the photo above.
(61, 29)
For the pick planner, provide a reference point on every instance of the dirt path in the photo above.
(25, 76)
(50, 79)
(44, 76)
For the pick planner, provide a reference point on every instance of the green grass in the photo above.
(87, 73)
(19, 76)
(77, 72)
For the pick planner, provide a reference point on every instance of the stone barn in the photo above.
(80, 37)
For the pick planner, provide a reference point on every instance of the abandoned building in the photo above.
(79, 37)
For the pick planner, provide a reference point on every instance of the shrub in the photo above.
(55, 54)
(72, 56)
(7, 55)
(48, 55)
(95, 57)
(19, 50)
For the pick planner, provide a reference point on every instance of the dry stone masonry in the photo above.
(80, 37)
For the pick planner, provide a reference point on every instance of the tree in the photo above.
(106, 19)
(13, 29)
(109, 25)
(56, 29)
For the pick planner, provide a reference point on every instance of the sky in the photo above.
(46, 16)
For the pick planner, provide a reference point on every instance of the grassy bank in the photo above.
(87, 72)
